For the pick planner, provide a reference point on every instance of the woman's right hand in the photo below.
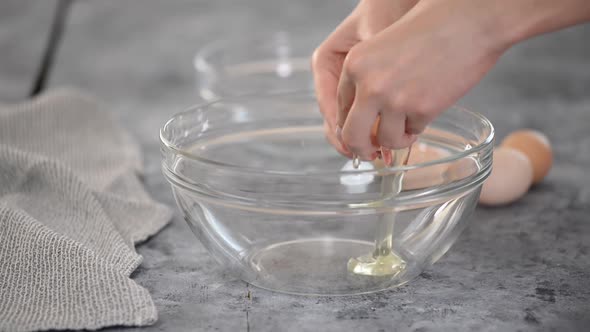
(368, 19)
(403, 77)
(393, 66)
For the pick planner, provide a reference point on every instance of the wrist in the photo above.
(494, 28)
(511, 21)
(517, 21)
(481, 23)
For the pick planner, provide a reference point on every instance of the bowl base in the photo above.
(317, 266)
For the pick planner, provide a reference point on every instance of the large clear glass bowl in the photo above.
(273, 202)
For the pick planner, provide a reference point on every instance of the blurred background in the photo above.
(140, 53)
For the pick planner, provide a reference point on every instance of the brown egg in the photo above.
(511, 177)
(536, 147)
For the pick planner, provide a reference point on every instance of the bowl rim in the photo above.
(171, 147)
(201, 59)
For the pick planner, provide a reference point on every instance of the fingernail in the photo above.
(339, 138)
(344, 148)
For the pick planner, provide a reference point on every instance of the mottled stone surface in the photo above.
(24, 28)
(521, 267)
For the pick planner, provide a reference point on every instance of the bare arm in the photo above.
(421, 64)
(523, 19)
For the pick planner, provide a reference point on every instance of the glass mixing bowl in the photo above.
(276, 205)
(269, 63)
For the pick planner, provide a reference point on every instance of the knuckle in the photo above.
(424, 107)
(401, 100)
(316, 57)
(412, 103)
(355, 63)
(375, 87)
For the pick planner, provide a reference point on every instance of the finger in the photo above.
(392, 131)
(326, 83)
(416, 124)
(356, 132)
(327, 63)
(346, 94)
(331, 138)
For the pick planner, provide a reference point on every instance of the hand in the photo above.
(409, 73)
(368, 18)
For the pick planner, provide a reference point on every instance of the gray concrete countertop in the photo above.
(24, 27)
(524, 267)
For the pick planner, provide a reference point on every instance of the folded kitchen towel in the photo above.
(72, 209)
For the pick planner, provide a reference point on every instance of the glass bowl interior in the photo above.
(273, 202)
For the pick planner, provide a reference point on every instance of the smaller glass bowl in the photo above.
(270, 63)
(274, 203)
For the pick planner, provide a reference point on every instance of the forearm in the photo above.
(518, 20)
(503, 23)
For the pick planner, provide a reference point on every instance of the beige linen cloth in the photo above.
(72, 209)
